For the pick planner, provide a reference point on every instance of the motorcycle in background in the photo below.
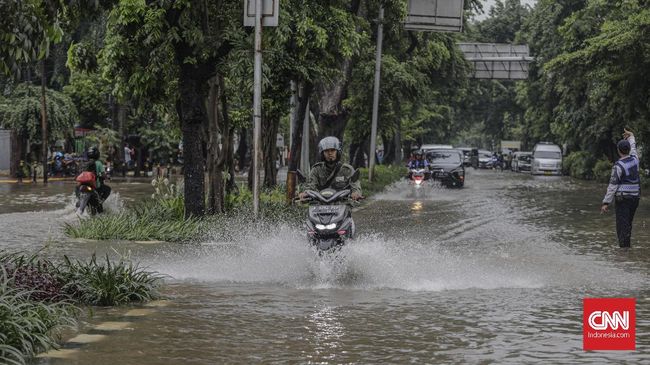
(87, 196)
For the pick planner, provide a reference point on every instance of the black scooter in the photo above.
(329, 223)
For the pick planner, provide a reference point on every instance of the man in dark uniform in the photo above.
(624, 187)
(331, 172)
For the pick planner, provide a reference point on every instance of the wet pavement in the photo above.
(492, 273)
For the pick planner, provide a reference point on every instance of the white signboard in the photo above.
(435, 15)
(270, 13)
(497, 61)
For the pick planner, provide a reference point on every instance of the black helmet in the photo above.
(329, 143)
(624, 146)
(93, 153)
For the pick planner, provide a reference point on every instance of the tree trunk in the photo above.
(389, 150)
(269, 150)
(304, 92)
(242, 149)
(228, 149)
(332, 116)
(43, 122)
(192, 114)
(214, 186)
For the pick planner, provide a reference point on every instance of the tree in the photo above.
(21, 110)
(167, 51)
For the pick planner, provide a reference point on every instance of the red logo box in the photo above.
(609, 324)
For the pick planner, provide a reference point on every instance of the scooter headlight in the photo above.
(323, 226)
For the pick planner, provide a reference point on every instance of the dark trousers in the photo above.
(625, 209)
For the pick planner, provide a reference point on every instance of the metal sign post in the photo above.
(375, 98)
(264, 11)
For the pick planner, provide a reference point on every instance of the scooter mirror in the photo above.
(301, 176)
(355, 176)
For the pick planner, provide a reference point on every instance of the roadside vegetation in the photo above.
(39, 297)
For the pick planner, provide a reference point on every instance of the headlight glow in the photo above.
(322, 226)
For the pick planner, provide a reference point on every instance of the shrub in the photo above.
(38, 297)
(107, 283)
(384, 176)
(579, 165)
(27, 326)
(602, 170)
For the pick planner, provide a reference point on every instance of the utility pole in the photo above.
(375, 101)
(257, 106)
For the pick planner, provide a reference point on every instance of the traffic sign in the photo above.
(270, 13)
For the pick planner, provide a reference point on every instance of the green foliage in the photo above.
(21, 110)
(160, 132)
(27, 327)
(108, 283)
(602, 170)
(90, 94)
(106, 139)
(384, 176)
(273, 205)
(38, 297)
(579, 164)
(27, 29)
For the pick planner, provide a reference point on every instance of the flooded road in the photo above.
(495, 272)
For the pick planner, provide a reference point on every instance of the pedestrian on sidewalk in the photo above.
(624, 187)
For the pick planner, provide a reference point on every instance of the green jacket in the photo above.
(320, 174)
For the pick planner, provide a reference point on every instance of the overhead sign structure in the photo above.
(435, 15)
(498, 60)
(270, 13)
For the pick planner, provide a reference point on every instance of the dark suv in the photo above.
(447, 166)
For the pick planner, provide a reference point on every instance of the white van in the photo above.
(547, 159)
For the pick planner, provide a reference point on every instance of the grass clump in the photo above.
(39, 297)
(160, 218)
(106, 283)
(384, 176)
(27, 326)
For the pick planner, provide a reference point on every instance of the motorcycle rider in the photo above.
(330, 172)
(419, 162)
(96, 166)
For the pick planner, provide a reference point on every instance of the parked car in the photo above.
(467, 155)
(547, 159)
(521, 161)
(447, 166)
(484, 159)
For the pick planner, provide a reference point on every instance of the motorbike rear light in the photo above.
(462, 177)
(341, 232)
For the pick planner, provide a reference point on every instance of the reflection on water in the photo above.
(492, 273)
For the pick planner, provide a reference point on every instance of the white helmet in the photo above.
(329, 143)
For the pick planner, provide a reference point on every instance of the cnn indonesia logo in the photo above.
(609, 324)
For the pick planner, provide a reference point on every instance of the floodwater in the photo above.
(492, 273)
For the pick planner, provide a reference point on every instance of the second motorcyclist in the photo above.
(418, 163)
(96, 166)
(330, 172)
